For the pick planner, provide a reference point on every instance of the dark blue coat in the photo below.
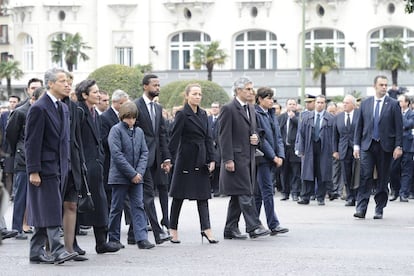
(47, 152)
(305, 146)
(408, 125)
(343, 137)
(129, 153)
(271, 143)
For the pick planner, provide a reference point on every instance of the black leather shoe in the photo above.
(259, 232)
(403, 199)
(7, 234)
(359, 215)
(80, 259)
(303, 202)
(65, 256)
(284, 197)
(131, 241)
(145, 244)
(117, 244)
(79, 250)
(321, 202)
(106, 248)
(378, 216)
(41, 259)
(163, 237)
(394, 198)
(234, 235)
(278, 230)
(350, 203)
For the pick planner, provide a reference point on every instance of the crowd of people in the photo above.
(61, 141)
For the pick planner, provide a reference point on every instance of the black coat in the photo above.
(94, 158)
(192, 146)
(109, 119)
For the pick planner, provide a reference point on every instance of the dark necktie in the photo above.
(375, 132)
(92, 110)
(59, 109)
(317, 127)
(348, 121)
(246, 110)
(152, 115)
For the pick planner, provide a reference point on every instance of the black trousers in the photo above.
(149, 205)
(239, 204)
(203, 212)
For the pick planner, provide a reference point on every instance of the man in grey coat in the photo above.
(238, 141)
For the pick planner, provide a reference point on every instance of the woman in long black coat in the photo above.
(88, 95)
(192, 146)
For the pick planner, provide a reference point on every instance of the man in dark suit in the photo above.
(377, 140)
(315, 147)
(288, 122)
(109, 119)
(47, 159)
(151, 121)
(238, 140)
(402, 168)
(213, 124)
(343, 143)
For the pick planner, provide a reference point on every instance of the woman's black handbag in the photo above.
(85, 201)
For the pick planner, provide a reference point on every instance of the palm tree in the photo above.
(323, 60)
(69, 47)
(409, 6)
(392, 55)
(208, 55)
(10, 69)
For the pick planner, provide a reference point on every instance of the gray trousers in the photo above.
(38, 241)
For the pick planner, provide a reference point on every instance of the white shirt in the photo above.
(351, 116)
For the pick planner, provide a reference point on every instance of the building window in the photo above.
(28, 53)
(406, 35)
(4, 34)
(182, 46)
(326, 38)
(124, 56)
(255, 50)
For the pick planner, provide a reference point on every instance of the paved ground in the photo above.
(323, 240)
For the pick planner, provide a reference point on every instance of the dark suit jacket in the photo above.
(109, 119)
(343, 137)
(156, 141)
(214, 127)
(390, 125)
(235, 130)
(15, 135)
(47, 152)
(294, 123)
(408, 125)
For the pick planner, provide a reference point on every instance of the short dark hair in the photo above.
(147, 78)
(34, 80)
(264, 92)
(128, 110)
(38, 92)
(15, 96)
(83, 87)
(379, 77)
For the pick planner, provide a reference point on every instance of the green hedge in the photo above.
(116, 76)
(172, 94)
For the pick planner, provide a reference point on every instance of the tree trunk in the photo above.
(323, 84)
(70, 66)
(9, 90)
(394, 76)
(210, 72)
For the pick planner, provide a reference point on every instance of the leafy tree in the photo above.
(409, 6)
(172, 94)
(208, 55)
(117, 76)
(392, 55)
(70, 48)
(144, 68)
(8, 70)
(323, 60)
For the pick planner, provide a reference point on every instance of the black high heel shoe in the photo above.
(204, 235)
